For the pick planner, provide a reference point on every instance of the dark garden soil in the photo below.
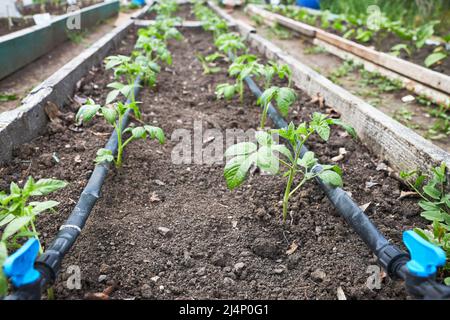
(184, 12)
(54, 8)
(17, 24)
(219, 243)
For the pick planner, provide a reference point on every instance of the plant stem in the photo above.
(118, 128)
(264, 116)
(287, 192)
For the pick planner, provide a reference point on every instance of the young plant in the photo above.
(284, 98)
(230, 43)
(18, 215)
(208, 66)
(438, 54)
(435, 203)
(122, 66)
(269, 70)
(242, 67)
(271, 154)
(114, 116)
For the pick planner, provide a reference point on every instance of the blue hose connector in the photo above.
(19, 266)
(138, 2)
(313, 4)
(425, 256)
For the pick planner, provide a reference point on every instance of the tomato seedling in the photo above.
(435, 204)
(114, 116)
(271, 154)
(18, 215)
(284, 97)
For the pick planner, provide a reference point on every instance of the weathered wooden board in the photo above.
(302, 28)
(400, 146)
(411, 70)
(418, 88)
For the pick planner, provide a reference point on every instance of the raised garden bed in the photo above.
(20, 48)
(382, 41)
(195, 264)
(170, 230)
(55, 9)
(17, 24)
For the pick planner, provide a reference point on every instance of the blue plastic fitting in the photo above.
(138, 2)
(425, 256)
(19, 266)
(313, 4)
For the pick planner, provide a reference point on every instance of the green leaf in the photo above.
(266, 160)
(14, 189)
(236, 170)
(15, 226)
(432, 192)
(323, 131)
(87, 111)
(308, 160)
(283, 150)
(225, 90)
(109, 114)
(39, 207)
(267, 96)
(331, 177)
(428, 206)
(349, 129)
(138, 132)
(7, 219)
(3, 253)
(263, 138)
(421, 233)
(242, 148)
(285, 98)
(447, 281)
(434, 58)
(104, 155)
(112, 95)
(432, 215)
(155, 132)
(46, 186)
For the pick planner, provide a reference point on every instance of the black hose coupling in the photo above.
(392, 258)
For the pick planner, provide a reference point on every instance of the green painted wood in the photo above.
(22, 47)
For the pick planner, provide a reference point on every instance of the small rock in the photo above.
(159, 182)
(318, 230)
(228, 281)
(104, 268)
(102, 278)
(201, 271)
(146, 291)
(245, 253)
(166, 232)
(278, 270)
(154, 279)
(238, 267)
(318, 275)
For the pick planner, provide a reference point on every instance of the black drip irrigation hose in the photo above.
(49, 263)
(390, 257)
